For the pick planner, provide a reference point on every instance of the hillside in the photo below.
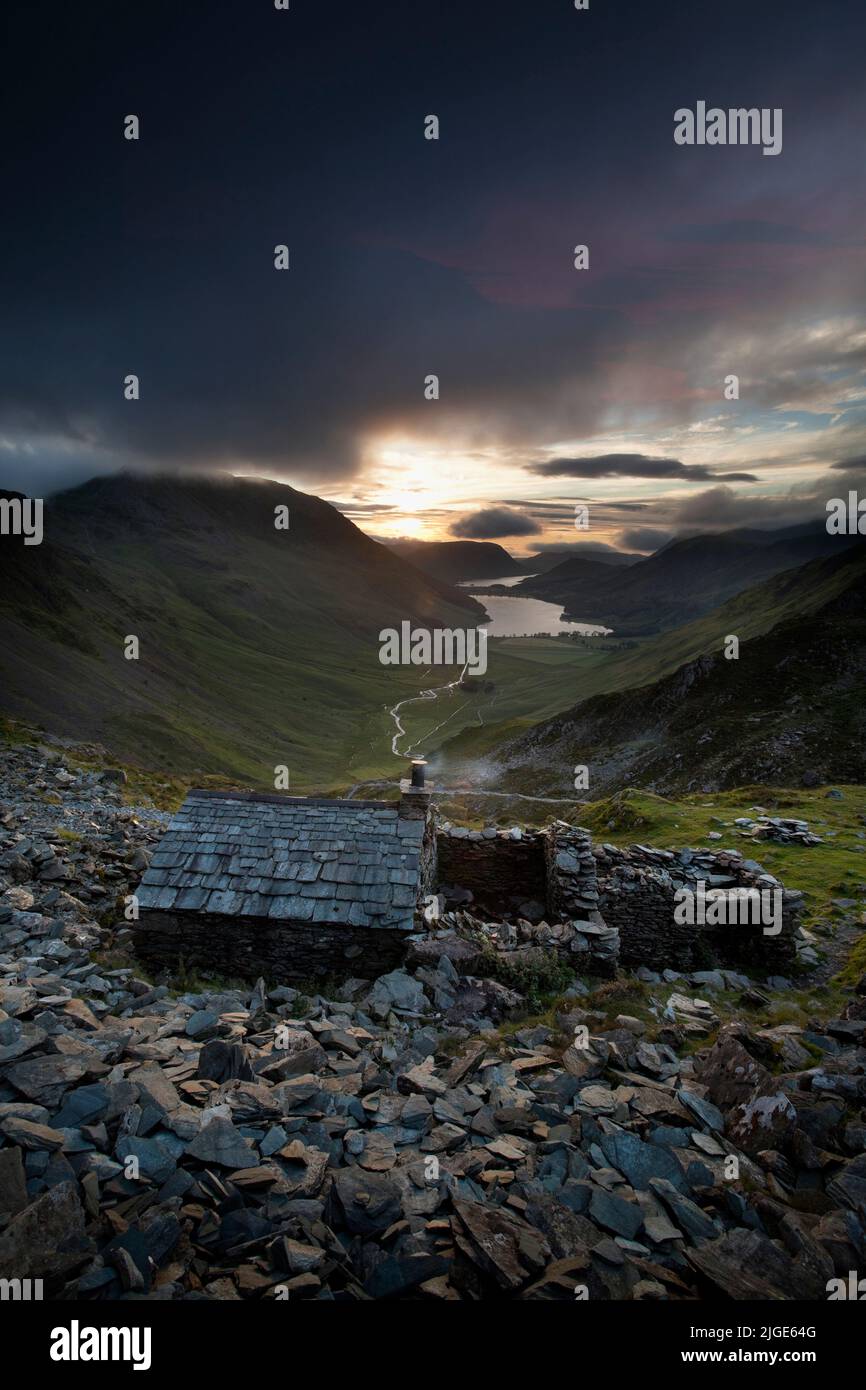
(573, 573)
(601, 667)
(677, 584)
(546, 560)
(258, 647)
(452, 562)
(790, 707)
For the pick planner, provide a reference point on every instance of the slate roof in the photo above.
(289, 858)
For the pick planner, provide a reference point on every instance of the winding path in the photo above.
(432, 693)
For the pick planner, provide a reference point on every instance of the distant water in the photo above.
(482, 583)
(525, 617)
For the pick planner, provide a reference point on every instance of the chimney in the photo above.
(414, 795)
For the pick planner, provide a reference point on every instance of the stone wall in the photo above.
(601, 905)
(554, 869)
(573, 900)
(570, 868)
(501, 871)
(247, 947)
(637, 888)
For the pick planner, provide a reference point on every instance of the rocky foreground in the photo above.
(391, 1139)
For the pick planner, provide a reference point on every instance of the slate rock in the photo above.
(44, 1079)
(730, 1073)
(13, 1183)
(687, 1214)
(615, 1214)
(848, 1187)
(398, 1275)
(398, 991)
(154, 1160)
(47, 1239)
(200, 1023)
(222, 1061)
(639, 1162)
(219, 1142)
(746, 1265)
(365, 1204)
(501, 1248)
(765, 1121)
(31, 1136)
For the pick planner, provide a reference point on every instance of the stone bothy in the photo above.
(246, 883)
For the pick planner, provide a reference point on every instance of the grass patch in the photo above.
(833, 869)
(539, 978)
(185, 979)
(856, 965)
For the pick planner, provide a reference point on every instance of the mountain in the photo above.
(455, 562)
(573, 572)
(452, 562)
(547, 560)
(258, 647)
(680, 582)
(790, 706)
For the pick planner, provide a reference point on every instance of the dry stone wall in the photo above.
(601, 906)
(637, 888)
(501, 871)
(573, 899)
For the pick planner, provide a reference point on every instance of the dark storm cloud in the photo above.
(408, 257)
(740, 232)
(719, 508)
(857, 465)
(492, 523)
(291, 370)
(646, 538)
(630, 466)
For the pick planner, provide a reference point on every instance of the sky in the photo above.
(411, 257)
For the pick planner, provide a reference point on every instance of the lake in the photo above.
(525, 617)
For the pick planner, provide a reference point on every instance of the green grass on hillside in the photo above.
(597, 666)
(822, 872)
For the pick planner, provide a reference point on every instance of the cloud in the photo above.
(303, 375)
(743, 231)
(645, 538)
(576, 548)
(492, 523)
(258, 371)
(630, 466)
(857, 465)
(719, 508)
(363, 508)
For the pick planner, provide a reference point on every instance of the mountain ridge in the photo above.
(789, 707)
(248, 635)
(678, 583)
